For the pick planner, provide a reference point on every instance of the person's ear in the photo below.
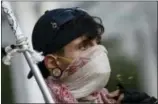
(50, 61)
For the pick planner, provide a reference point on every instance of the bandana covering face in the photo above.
(86, 78)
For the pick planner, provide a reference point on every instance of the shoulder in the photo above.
(60, 91)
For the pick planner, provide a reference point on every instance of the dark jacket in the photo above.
(132, 96)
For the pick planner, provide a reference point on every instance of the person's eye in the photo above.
(84, 47)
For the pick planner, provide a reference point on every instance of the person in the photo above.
(75, 66)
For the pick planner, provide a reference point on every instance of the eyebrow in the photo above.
(84, 41)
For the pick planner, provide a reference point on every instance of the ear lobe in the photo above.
(50, 61)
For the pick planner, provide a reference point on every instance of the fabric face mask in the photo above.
(88, 73)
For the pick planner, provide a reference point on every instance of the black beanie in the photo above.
(49, 34)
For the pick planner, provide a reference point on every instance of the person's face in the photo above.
(71, 51)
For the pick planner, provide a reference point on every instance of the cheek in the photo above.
(69, 53)
(72, 53)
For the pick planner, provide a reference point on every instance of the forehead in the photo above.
(80, 40)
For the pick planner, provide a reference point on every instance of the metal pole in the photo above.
(19, 37)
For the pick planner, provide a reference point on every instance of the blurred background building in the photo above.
(130, 37)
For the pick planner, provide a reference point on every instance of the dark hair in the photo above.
(81, 25)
